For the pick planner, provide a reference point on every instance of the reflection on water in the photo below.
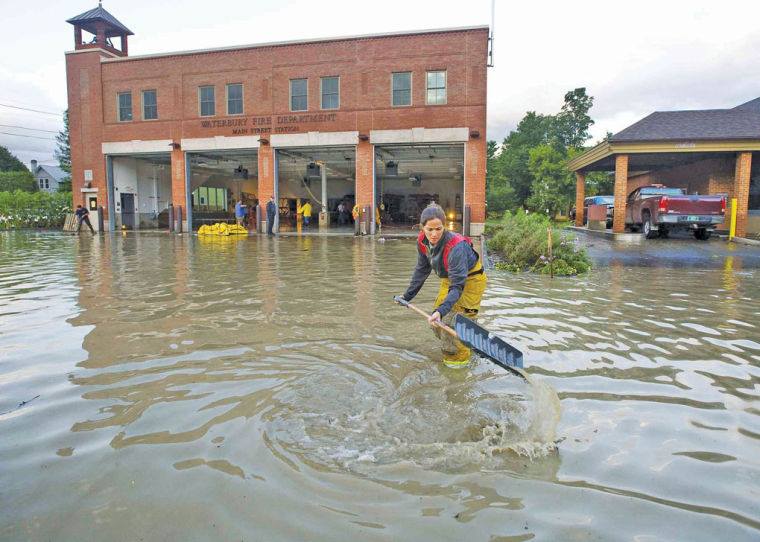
(264, 376)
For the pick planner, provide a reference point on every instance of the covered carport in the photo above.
(703, 152)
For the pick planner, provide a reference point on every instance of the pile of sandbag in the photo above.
(221, 228)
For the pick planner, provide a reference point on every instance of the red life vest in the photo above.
(456, 238)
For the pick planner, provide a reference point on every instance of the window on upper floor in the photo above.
(401, 85)
(235, 99)
(44, 183)
(150, 105)
(125, 106)
(206, 102)
(330, 92)
(298, 95)
(436, 88)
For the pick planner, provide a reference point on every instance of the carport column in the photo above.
(621, 192)
(580, 194)
(266, 181)
(365, 181)
(179, 192)
(741, 191)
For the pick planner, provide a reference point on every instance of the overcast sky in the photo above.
(633, 57)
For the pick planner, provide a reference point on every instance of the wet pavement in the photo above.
(680, 250)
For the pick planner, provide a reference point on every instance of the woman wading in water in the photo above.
(463, 281)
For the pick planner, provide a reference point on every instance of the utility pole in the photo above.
(491, 37)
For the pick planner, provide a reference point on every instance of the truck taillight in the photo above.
(723, 206)
(663, 204)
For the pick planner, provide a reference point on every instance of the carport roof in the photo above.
(708, 130)
(709, 124)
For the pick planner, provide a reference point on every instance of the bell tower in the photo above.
(102, 27)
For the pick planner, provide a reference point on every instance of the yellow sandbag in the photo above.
(222, 228)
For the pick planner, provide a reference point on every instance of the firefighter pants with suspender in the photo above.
(454, 352)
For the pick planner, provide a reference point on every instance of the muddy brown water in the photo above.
(168, 387)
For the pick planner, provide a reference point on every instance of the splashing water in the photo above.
(432, 418)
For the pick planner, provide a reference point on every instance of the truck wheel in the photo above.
(646, 227)
(702, 234)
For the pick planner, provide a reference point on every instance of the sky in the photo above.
(633, 58)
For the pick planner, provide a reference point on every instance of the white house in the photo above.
(47, 177)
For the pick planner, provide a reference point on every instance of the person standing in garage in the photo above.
(271, 215)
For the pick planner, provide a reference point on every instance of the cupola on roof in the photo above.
(86, 21)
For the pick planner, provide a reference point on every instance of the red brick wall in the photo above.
(475, 178)
(83, 74)
(365, 157)
(363, 65)
(741, 190)
(266, 174)
(580, 195)
(621, 192)
(179, 194)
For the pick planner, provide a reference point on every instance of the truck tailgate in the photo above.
(694, 205)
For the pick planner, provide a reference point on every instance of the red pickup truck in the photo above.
(658, 210)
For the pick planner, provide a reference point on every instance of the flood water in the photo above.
(159, 387)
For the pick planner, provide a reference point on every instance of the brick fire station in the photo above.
(385, 122)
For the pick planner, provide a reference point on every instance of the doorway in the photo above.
(128, 211)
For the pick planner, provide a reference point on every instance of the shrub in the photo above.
(521, 241)
(21, 209)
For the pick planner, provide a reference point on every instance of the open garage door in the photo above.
(409, 177)
(322, 176)
(142, 191)
(218, 180)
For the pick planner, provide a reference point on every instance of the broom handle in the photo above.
(418, 310)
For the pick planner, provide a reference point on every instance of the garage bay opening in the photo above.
(409, 177)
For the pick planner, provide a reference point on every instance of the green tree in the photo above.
(571, 124)
(515, 166)
(553, 187)
(64, 185)
(491, 156)
(8, 162)
(600, 183)
(533, 130)
(63, 148)
(11, 181)
(500, 196)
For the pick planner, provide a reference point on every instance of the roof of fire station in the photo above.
(295, 42)
(698, 131)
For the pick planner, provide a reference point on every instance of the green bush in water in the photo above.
(521, 241)
(21, 209)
